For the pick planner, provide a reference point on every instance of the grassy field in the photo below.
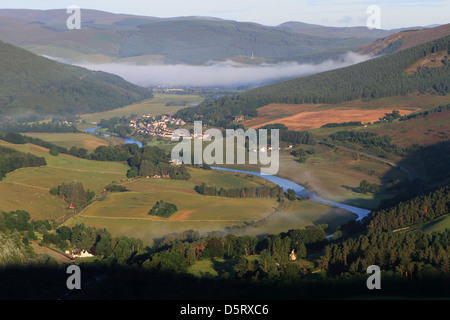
(335, 174)
(310, 116)
(438, 225)
(274, 111)
(315, 119)
(28, 188)
(299, 214)
(192, 206)
(425, 131)
(127, 213)
(79, 140)
(155, 106)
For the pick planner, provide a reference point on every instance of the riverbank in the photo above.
(284, 183)
(127, 140)
(302, 192)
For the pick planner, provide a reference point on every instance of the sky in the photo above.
(344, 13)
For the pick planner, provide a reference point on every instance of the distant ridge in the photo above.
(108, 37)
(395, 74)
(404, 40)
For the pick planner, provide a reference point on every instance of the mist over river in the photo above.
(284, 183)
(302, 192)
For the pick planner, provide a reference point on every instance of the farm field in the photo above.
(274, 111)
(290, 113)
(299, 214)
(425, 131)
(144, 193)
(28, 188)
(127, 213)
(335, 174)
(153, 107)
(315, 119)
(79, 140)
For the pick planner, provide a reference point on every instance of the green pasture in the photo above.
(69, 140)
(153, 107)
(28, 188)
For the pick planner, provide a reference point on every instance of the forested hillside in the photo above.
(11, 160)
(380, 77)
(196, 41)
(420, 209)
(33, 87)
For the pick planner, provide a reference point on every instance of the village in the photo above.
(156, 126)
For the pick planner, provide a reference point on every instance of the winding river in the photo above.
(284, 183)
(302, 192)
(125, 139)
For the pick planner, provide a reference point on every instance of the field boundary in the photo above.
(411, 173)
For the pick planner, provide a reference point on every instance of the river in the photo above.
(125, 139)
(302, 192)
(284, 183)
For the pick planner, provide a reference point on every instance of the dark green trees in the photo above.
(163, 209)
(366, 187)
(11, 160)
(74, 194)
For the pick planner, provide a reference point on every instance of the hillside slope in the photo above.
(34, 87)
(404, 40)
(379, 77)
(107, 37)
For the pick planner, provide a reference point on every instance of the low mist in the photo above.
(227, 74)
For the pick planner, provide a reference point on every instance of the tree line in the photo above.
(425, 113)
(380, 145)
(423, 208)
(146, 161)
(244, 192)
(52, 127)
(413, 255)
(222, 112)
(342, 124)
(290, 136)
(11, 160)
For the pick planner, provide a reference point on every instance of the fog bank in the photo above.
(219, 74)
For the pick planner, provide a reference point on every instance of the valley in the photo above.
(363, 152)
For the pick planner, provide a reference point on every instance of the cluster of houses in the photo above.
(157, 176)
(156, 127)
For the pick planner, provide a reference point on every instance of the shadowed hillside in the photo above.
(33, 87)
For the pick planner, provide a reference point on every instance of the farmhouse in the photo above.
(292, 256)
(79, 253)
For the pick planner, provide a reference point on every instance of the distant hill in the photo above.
(380, 77)
(404, 40)
(107, 37)
(196, 41)
(339, 32)
(396, 74)
(33, 87)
